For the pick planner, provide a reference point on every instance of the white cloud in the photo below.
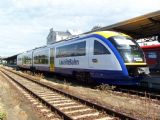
(24, 24)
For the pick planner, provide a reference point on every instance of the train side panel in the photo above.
(41, 59)
(98, 60)
(24, 60)
(19, 60)
(94, 56)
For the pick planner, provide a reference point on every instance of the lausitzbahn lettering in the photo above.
(69, 62)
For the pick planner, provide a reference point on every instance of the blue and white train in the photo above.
(104, 57)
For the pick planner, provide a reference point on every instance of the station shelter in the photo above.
(11, 61)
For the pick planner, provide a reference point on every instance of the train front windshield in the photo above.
(128, 48)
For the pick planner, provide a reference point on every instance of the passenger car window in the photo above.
(41, 57)
(71, 50)
(152, 55)
(100, 49)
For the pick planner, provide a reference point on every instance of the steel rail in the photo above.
(109, 111)
(139, 93)
(52, 108)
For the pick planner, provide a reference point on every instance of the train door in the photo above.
(99, 55)
(52, 60)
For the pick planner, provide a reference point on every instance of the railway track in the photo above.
(139, 92)
(69, 107)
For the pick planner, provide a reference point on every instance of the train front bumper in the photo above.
(143, 70)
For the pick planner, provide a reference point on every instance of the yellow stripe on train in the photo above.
(108, 34)
(135, 63)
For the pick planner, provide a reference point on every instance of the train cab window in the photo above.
(100, 49)
(152, 55)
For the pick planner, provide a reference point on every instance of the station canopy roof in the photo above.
(139, 27)
(11, 57)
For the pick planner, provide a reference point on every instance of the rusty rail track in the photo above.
(56, 100)
(139, 92)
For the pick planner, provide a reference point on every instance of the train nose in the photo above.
(135, 71)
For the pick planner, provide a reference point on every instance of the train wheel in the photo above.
(33, 70)
(80, 76)
(84, 77)
(88, 78)
(17, 68)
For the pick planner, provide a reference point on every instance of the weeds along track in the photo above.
(69, 107)
(141, 93)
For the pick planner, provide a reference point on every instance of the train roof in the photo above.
(105, 34)
(108, 34)
(157, 46)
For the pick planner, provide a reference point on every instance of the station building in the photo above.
(55, 36)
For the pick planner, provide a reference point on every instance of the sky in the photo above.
(25, 24)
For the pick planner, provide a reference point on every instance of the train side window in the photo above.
(19, 59)
(152, 55)
(41, 57)
(100, 49)
(71, 50)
